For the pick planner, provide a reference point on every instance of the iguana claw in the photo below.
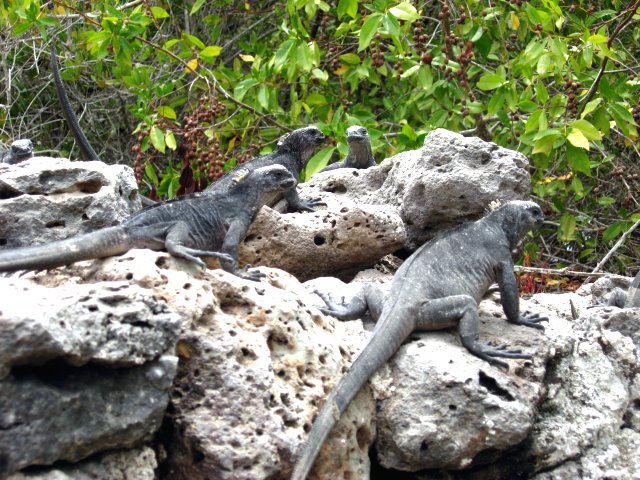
(530, 319)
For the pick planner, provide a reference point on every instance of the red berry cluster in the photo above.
(138, 170)
(420, 44)
(571, 88)
(377, 47)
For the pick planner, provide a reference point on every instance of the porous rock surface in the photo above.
(337, 239)
(83, 369)
(44, 199)
(449, 180)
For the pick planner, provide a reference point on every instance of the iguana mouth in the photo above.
(290, 182)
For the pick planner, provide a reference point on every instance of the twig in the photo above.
(562, 272)
(630, 11)
(613, 250)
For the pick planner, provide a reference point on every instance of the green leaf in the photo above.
(318, 162)
(159, 12)
(588, 130)
(404, 11)
(315, 99)
(170, 140)
(197, 6)
(157, 139)
(349, 7)
(282, 55)
(578, 160)
(591, 106)
(193, 40)
(263, 96)
(243, 87)
(350, 59)
(543, 64)
(490, 81)
(368, 30)
(577, 139)
(567, 229)
(614, 230)
(210, 52)
(320, 74)
(150, 173)
(167, 112)
(410, 71)
(597, 39)
(606, 201)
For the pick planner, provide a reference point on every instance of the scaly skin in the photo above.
(293, 152)
(189, 228)
(360, 154)
(437, 287)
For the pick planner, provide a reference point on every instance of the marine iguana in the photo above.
(628, 299)
(360, 154)
(293, 152)
(18, 151)
(188, 228)
(438, 286)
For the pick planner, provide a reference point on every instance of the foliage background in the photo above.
(183, 90)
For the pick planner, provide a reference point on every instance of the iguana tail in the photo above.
(385, 341)
(88, 153)
(633, 295)
(102, 243)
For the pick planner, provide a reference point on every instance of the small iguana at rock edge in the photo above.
(360, 154)
(628, 299)
(293, 152)
(188, 228)
(438, 286)
(18, 151)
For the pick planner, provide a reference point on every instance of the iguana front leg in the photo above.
(511, 301)
(235, 234)
(297, 204)
(462, 310)
(177, 235)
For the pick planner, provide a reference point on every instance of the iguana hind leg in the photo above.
(462, 310)
(177, 235)
(369, 298)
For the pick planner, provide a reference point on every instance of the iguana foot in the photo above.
(530, 319)
(253, 275)
(488, 352)
(307, 205)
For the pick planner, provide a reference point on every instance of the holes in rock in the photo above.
(55, 223)
(259, 431)
(319, 240)
(91, 186)
(363, 437)
(92, 308)
(161, 262)
(492, 386)
(198, 456)
(196, 373)
(424, 446)
(452, 407)
(355, 173)
(133, 195)
(335, 188)
(129, 276)
(3, 241)
(186, 286)
(233, 333)
(322, 359)
(344, 210)
(85, 217)
(306, 427)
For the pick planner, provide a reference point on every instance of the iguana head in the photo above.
(517, 218)
(272, 178)
(356, 133)
(302, 143)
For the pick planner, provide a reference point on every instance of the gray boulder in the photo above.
(449, 180)
(44, 199)
(83, 369)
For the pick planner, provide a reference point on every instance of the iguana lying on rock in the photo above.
(360, 154)
(437, 287)
(188, 228)
(628, 299)
(293, 152)
(18, 151)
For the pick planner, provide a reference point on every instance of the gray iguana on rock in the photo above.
(18, 151)
(628, 299)
(360, 154)
(188, 228)
(293, 152)
(438, 286)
